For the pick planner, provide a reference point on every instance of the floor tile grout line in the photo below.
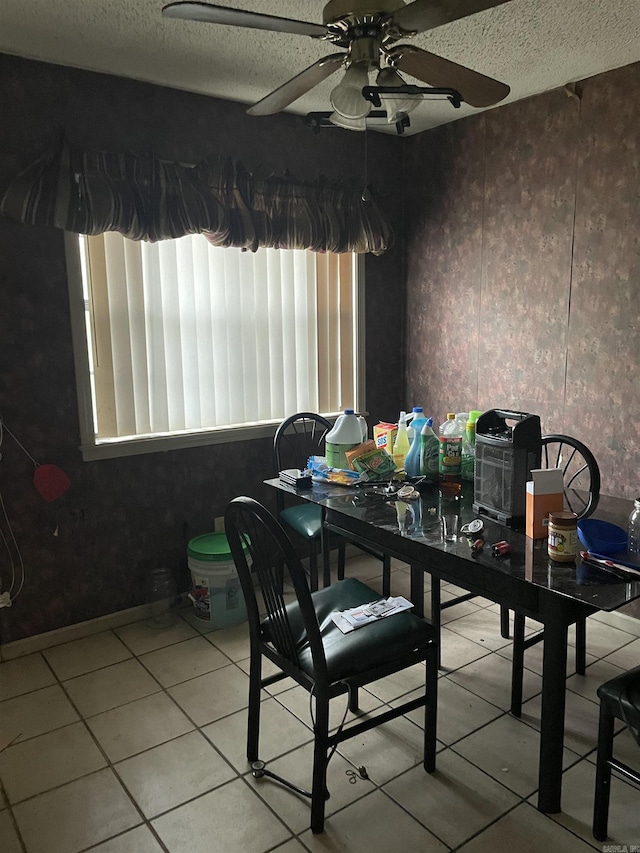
(198, 728)
(471, 837)
(146, 824)
(579, 758)
(14, 822)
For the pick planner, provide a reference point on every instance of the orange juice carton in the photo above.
(384, 435)
(544, 495)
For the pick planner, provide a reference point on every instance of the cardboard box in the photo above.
(545, 494)
(384, 435)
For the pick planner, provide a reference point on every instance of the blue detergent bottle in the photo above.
(430, 450)
(412, 462)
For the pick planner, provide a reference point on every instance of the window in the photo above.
(179, 343)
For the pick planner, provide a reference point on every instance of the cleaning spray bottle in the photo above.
(401, 444)
(412, 462)
(429, 451)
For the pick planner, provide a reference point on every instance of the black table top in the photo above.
(527, 561)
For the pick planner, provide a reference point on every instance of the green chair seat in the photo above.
(304, 519)
(351, 654)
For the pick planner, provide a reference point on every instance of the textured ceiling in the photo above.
(532, 45)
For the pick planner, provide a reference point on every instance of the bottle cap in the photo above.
(349, 411)
(451, 416)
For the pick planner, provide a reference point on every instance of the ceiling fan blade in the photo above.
(475, 88)
(424, 15)
(210, 14)
(298, 85)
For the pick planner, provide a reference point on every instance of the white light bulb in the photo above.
(347, 99)
(348, 123)
(395, 103)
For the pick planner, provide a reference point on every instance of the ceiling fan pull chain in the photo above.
(366, 194)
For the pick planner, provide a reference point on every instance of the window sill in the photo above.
(165, 443)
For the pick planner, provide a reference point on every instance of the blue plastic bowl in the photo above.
(601, 537)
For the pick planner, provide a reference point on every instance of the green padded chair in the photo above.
(292, 627)
(297, 438)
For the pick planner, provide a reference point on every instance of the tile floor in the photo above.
(132, 741)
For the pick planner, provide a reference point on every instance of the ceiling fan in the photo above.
(368, 30)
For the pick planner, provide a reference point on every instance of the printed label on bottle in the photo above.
(430, 453)
(335, 454)
(468, 467)
(563, 543)
(450, 454)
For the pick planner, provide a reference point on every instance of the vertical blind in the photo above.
(186, 336)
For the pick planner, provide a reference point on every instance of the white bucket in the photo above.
(216, 592)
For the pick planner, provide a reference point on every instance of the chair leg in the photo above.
(353, 700)
(431, 709)
(603, 773)
(341, 561)
(253, 724)
(319, 793)
(517, 665)
(581, 645)
(386, 575)
(504, 623)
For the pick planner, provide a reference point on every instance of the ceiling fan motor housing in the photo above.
(340, 10)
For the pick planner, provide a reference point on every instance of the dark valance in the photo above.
(145, 198)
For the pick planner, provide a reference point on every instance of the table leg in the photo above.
(436, 610)
(417, 588)
(554, 665)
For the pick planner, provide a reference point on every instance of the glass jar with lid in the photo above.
(563, 536)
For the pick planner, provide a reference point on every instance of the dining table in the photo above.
(522, 578)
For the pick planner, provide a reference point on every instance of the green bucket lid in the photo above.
(211, 547)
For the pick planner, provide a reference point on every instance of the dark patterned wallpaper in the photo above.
(521, 228)
(86, 554)
(523, 270)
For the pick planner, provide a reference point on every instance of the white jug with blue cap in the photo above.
(345, 435)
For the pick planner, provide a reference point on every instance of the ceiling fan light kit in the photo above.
(348, 123)
(367, 30)
(346, 99)
(394, 102)
(318, 120)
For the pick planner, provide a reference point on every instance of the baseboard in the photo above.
(29, 645)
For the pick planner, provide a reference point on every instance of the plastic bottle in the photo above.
(429, 446)
(634, 528)
(418, 412)
(469, 447)
(363, 426)
(413, 460)
(401, 444)
(161, 594)
(345, 435)
(450, 450)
